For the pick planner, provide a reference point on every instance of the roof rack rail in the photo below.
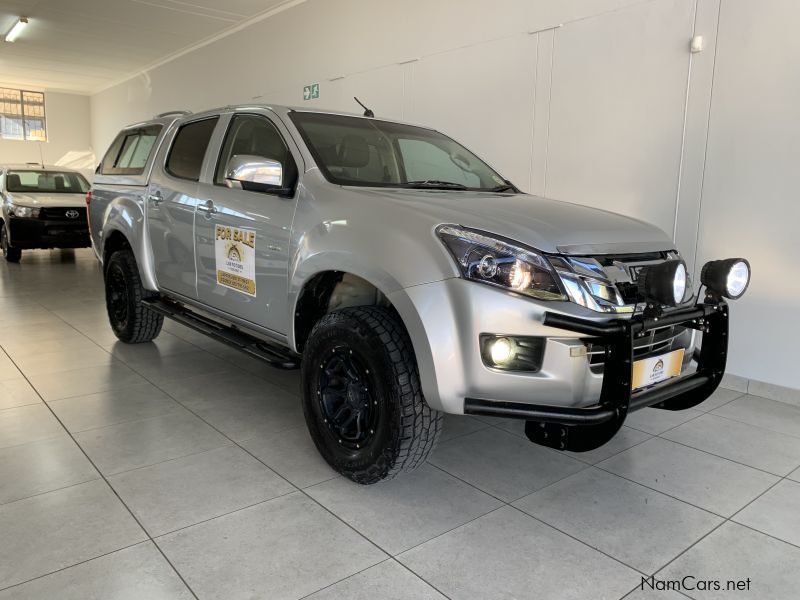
(169, 113)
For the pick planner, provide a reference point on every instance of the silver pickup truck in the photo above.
(406, 278)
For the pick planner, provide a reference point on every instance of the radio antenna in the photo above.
(367, 111)
(41, 155)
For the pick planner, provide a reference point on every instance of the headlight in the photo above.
(497, 262)
(664, 283)
(729, 277)
(24, 212)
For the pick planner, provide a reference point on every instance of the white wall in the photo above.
(68, 135)
(751, 192)
(602, 104)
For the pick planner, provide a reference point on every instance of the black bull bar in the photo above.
(584, 429)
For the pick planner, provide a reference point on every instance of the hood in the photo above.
(48, 200)
(548, 225)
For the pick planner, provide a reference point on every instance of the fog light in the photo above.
(512, 353)
(728, 277)
(502, 351)
(664, 283)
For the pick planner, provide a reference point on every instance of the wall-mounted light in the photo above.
(14, 32)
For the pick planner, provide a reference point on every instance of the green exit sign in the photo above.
(311, 92)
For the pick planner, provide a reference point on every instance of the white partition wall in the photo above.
(751, 189)
(595, 102)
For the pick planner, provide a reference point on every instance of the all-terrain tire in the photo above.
(12, 255)
(403, 428)
(132, 321)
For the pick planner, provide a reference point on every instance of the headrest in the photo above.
(13, 181)
(353, 152)
(59, 182)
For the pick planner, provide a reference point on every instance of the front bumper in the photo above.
(446, 319)
(26, 233)
(582, 429)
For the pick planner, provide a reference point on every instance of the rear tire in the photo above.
(132, 321)
(11, 254)
(362, 398)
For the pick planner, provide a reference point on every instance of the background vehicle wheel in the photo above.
(361, 395)
(131, 321)
(12, 254)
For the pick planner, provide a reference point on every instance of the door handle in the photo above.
(155, 198)
(207, 208)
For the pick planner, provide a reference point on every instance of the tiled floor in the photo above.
(183, 469)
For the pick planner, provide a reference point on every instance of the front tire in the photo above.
(362, 398)
(132, 321)
(11, 254)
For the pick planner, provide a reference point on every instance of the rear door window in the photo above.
(129, 153)
(186, 156)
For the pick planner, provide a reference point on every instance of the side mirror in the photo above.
(255, 173)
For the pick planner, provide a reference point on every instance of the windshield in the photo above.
(368, 152)
(49, 182)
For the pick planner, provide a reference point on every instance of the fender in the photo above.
(388, 285)
(125, 215)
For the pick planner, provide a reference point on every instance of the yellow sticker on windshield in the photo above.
(235, 253)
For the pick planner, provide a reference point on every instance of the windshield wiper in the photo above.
(435, 184)
(506, 187)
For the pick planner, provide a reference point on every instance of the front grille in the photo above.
(657, 341)
(624, 269)
(60, 213)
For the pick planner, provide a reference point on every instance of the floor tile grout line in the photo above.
(338, 581)
(586, 462)
(726, 417)
(58, 489)
(580, 541)
(737, 462)
(413, 572)
(108, 484)
(36, 441)
(391, 559)
(20, 406)
(83, 562)
(660, 492)
(727, 520)
(511, 505)
(639, 588)
(168, 460)
(225, 514)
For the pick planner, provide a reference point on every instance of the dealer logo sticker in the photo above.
(658, 368)
(235, 254)
(72, 214)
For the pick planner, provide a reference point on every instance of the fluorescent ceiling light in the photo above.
(16, 29)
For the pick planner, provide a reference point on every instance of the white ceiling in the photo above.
(85, 45)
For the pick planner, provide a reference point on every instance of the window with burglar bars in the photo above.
(22, 115)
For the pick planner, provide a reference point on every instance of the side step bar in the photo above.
(272, 354)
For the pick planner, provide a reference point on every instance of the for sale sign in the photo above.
(235, 251)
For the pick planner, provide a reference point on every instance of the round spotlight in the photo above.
(728, 277)
(502, 351)
(679, 284)
(664, 283)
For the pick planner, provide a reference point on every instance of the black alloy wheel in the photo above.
(117, 295)
(346, 399)
(132, 321)
(362, 397)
